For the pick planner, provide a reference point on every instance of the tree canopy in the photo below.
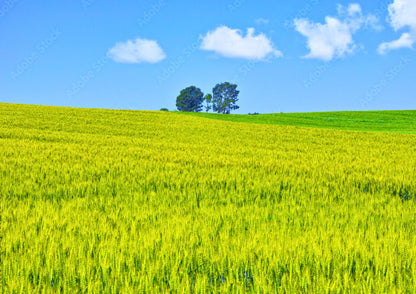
(225, 97)
(222, 100)
(208, 100)
(190, 99)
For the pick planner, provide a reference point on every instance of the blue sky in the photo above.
(285, 56)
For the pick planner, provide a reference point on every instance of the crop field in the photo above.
(375, 121)
(111, 201)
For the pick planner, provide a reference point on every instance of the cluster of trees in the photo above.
(222, 100)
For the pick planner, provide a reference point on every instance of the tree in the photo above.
(208, 99)
(225, 97)
(190, 99)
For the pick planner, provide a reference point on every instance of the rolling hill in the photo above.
(114, 201)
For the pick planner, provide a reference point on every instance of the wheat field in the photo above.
(111, 201)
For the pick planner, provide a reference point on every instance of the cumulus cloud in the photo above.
(233, 44)
(402, 15)
(137, 51)
(325, 41)
(405, 41)
(334, 38)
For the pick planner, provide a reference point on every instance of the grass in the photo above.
(371, 121)
(110, 201)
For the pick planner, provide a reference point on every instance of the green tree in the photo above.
(225, 97)
(208, 100)
(190, 99)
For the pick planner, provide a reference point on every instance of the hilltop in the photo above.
(370, 121)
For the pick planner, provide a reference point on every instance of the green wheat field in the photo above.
(113, 201)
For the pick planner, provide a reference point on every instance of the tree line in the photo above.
(222, 100)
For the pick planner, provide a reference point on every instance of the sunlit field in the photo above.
(373, 121)
(118, 201)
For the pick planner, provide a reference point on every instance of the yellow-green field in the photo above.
(146, 202)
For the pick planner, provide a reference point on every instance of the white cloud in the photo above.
(334, 38)
(326, 41)
(405, 41)
(231, 43)
(354, 9)
(137, 51)
(402, 15)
